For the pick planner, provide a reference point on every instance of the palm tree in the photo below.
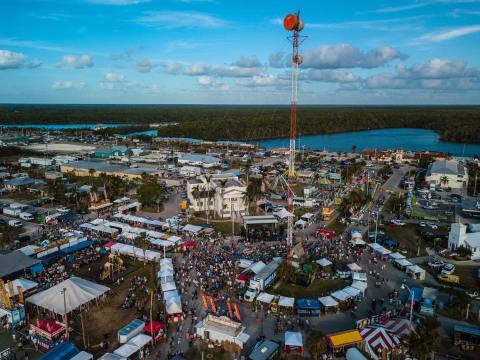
(143, 243)
(91, 171)
(208, 178)
(444, 180)
(196, 194)
(223, 183)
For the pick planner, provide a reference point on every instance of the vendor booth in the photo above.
(46, 334)
(129, 331)
(344, 339)
(308, 307)
(293, 342)
(416, 272)
(379, 343)
(155, 329)
(329, 304)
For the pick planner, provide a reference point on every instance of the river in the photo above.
(406, 139)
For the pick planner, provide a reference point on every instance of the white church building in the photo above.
(460, 237)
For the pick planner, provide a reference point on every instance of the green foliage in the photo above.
(246, 123)
(316, 343)
(150, 191)
(425, 339)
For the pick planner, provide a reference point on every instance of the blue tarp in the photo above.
(64, 351)
(417, 294)
(467, 330)
(77, 247)
(36, 269)
(311, 304)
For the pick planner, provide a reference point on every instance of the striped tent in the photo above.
(378, 340)
(400, 327)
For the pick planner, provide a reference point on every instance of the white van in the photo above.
(15, 223)
(26, 216)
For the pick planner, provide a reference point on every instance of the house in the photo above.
(202, 160)
(223, 194)
(447, 173)
(459, 237)
(18, 183)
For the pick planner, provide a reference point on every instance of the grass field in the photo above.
(108, 317)
(408, 239)
(224, 227)
(316, 289)
(203, 353)
(468, 277)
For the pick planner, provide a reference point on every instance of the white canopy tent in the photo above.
(293, 339)
(283, 213)
(77, 293)
(324, 262)
(140, 340)
(403, 263)
(354, 267)
(328, 301)
(286, 301)
(265, 298)
(194, 229)
(169, 286)
(23, 283)
(396, 256)
(126, 350)
(416, 272)
(173, 305)
(353, 292)
(111, 356)
(340, 295)
(360, 285)
(359, 276)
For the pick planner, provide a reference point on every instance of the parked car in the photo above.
(448, 269)
(398, 222)
(436, 263)
(15, 223)
(432, 225)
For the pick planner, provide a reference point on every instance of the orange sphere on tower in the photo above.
(290, 22)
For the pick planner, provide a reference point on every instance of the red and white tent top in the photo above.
(400, 326)
(377, 339)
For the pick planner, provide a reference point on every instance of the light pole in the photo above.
(403, 287)
(65, 316)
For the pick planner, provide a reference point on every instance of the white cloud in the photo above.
(248, 62)
(180, 19)
(199, 69)
(67, 85)
(336, 76)
(451, 34)
(11, 60)
(418, 4)
(437, 69)
(208, 82)
(113, 77)
(145, 65)
(277, 60)
(435, 74)
(264, 81)
(35, 63)
(117, 2)
(346, 56)
(76, 62)
(125, 55)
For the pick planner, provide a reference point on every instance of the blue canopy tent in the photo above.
(308, 307)
(417, 294)
(63, 351)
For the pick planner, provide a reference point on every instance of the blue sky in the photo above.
(236, 52)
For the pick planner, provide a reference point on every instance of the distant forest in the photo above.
(247, 123)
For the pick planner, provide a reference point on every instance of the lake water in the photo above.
(407, 139)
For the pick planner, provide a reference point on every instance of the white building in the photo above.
(223, 194)
(459, 237)
(222, 329)
(205, 161)
(454, 172)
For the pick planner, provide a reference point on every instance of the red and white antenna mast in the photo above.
(295, 24)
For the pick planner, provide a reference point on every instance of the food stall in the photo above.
(46, 334)
(131, 330)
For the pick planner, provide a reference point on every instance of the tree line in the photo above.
(250, 123)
